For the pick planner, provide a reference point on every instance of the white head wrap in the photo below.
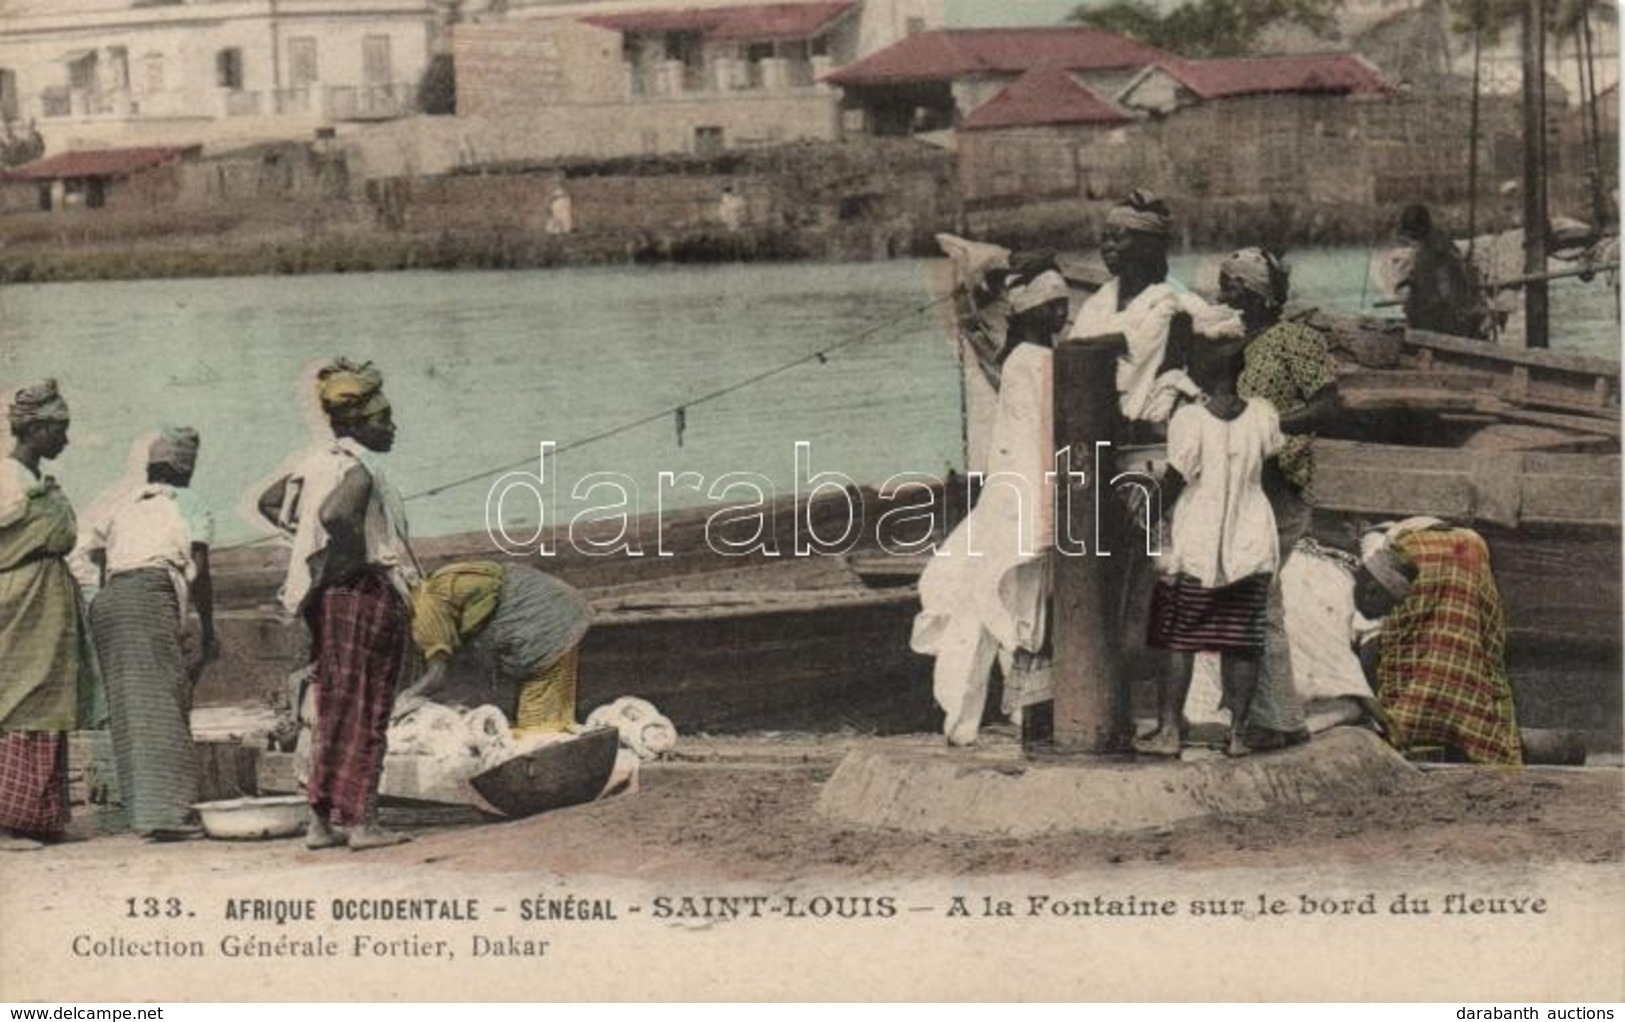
(1047, 287)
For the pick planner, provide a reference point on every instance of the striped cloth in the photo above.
(136, 622)
(1189, 618)
(1441, 676)
(359, 632)
(34, 783)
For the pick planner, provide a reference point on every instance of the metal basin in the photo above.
(252, 819)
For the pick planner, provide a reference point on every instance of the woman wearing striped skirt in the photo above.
(1222, 549)
(152, 548)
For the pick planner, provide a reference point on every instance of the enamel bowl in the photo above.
(252, 819)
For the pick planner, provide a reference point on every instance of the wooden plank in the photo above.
(1578, 423)
(1579, 365)
(1506, 488)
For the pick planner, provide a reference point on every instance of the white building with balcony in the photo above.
(108, 72)
(625, 77)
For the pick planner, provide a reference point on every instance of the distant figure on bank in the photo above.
(526, 623)
(1439, 292)
(150, 548)
(1438, 663)
(984, 596)
(732, 210)
(350, 574)
(48, 683)
(1222, 552)
(561, 216)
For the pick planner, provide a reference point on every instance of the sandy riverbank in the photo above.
(722, 879)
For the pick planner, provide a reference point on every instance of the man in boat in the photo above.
(1438, 662)
(984, 596)
(48, 683)
(148, 545)
(526, 623)
(350, 574)
(1439, 292)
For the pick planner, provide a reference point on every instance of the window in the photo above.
(9, 105)
(228, 69)
(375, 63)
(707, 140)
(302, 61)
(118, 67)
(152, 73)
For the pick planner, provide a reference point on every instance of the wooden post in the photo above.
(1092, 711)
(1534, 172)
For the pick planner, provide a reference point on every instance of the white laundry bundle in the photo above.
(466, 741)
(642, 728)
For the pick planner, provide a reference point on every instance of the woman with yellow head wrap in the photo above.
(349, 576)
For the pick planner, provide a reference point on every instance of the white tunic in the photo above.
(152, 526)
(1142, 393)
(986, 589)
(1223, 529)
(313, 480)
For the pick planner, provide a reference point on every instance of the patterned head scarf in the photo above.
(175, 446)
(1391, 570)
(41, 402)
(1143, 213)
(350, 392)
(1047, 287)
(1258, 272)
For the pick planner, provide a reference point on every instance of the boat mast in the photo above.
(1534, 172)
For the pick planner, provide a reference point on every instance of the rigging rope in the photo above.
(679, 411)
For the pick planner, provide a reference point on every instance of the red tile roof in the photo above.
(957, 53)
(1342, 73)
(751, 23)
(1044, 95)
(99, 163)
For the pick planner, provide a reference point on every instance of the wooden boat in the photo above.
(719, 644)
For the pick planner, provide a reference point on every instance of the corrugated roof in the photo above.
(1044, 95)
(956, 53)
(99, 163)
(750, 23)
(1343, 73)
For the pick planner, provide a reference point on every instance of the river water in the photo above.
(483, 367)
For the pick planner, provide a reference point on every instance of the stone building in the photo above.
(608, 79)
(101, 72)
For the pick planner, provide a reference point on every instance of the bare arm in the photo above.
(1322, 411)
(421, 691)
(344, 516)
(203, 600)
(271, 501)
(1173, 484)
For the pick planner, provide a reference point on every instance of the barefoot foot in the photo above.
(373, 836)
